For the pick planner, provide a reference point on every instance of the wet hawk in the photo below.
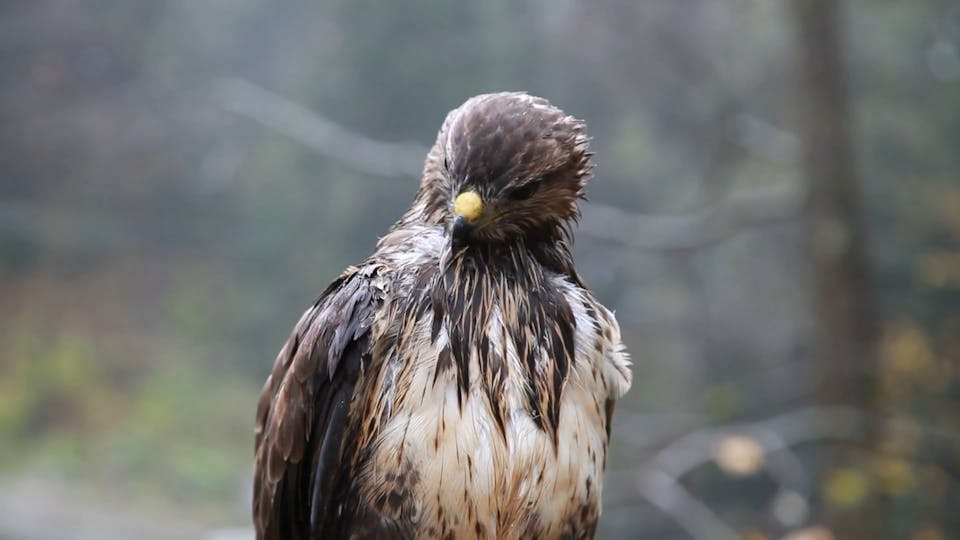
(460, 382)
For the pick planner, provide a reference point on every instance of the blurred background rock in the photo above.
(775, 218)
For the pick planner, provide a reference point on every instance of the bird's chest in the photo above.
(470, 458)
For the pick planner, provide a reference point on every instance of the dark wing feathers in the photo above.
(328, 447)
(304, 408)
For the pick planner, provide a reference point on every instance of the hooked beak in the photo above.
(461, 228)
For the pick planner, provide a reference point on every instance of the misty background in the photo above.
(775, 218)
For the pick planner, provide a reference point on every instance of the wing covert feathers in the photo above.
(303, 410)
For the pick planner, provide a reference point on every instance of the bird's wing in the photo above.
(303, 412)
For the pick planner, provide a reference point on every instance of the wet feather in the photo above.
(453, 388)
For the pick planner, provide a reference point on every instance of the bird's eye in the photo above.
(524, 192)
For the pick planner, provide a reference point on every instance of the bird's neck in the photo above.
(514, 260)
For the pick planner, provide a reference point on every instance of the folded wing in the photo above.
(303, 416)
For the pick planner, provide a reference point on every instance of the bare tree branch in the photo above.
(786, 430)
(745, 208)
(657, 479)
(690, 513)
(328, 138)
(759, 206)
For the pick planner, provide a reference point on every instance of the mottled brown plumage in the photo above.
(460, 382)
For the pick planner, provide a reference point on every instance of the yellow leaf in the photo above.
(894, 476)
(817, 532)
(738, 455)
(846, 487)
(927, 533)
(907, 351)
(938, 269)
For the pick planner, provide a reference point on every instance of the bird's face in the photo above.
(515, 168)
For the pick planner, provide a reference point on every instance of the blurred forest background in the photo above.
(775, 218)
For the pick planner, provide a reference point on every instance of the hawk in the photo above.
(460, 382)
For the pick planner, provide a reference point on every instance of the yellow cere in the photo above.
(469, 205)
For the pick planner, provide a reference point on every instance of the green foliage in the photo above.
(50, 384)
(180, 431)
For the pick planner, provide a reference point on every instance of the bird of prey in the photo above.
(460, 382)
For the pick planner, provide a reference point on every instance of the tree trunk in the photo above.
(846, 324)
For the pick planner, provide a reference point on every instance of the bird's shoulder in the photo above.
(302, 412)
(598, 337)
(408, 245)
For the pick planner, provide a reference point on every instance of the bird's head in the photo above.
(506, 166)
